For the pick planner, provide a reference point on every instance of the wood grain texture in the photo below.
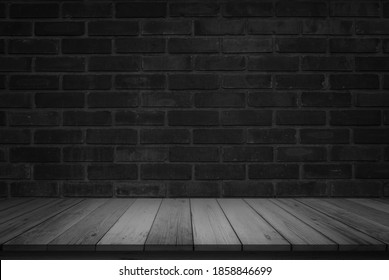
(14, 227)
(300, 235)
(368, 226)
(131, 230)
(211, 229)
(372, 203)
(31, 205)
(172, 228)
(347, 238)
(84, 235)
(39, 236)
(9, 203)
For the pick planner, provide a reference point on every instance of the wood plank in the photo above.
(39, 236)
(300, 235)
(131, 230)
(12, 213)
(172, 228)
(12, 202)
(253, 231)
(372, 203)
(211, 229)
(14, 227)
(347, 238)
(84, 235)
(370, 227)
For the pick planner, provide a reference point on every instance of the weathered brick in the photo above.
(167, 99)
(272, 99)
(87, 189)
(372, 171)
(14, 171)
(193, 118)
(141, 9)
(58, 136)
(33, 46)
(112, 172)
(139, 118)
(324, 136)
(300, 81)
(39, 82)
(140, 81)
(207, 63)
(248, 9)
(301, 9)
(371, 136)
(86, 46)
(355, 117)
(81, 82)
(193, 9)
(59, 99)
(354, 9)
(165, 136)
(34, 10)
(15, 28)
(3, 155)
(15, 136)
(141, 154)
(114, 63)
(84, 118)
(354, 81)
(140, 189)
(247, 189)
(43, 118)
(354, 45)
(164, 27)
(369, 63)
(167, 63)
(326, 99)
(112, 28)
(59, 28)
(327, 171)
(193, 81)
(276, 26)
(58, 172)
(301, 154)
(112, 100)
(15, 100)
(34, 154)
(247, 154)
(86, 10)
(193, 45)
(78, 153)
(246, 117)
(369, 27)
(218, 136)
(193, 189)
(111, 136)
(251, 45)
(34, 189)
(220, 172)
(273, 63)
(218, 27)
(326, 63)
(193, 154)
(166, 171)
(355, 189)
(355, 153)
(15, 64)
(219, 99)
(273, 171)
(59, 64)
(301, 45)
(140, 45)
(300, 117)
(3, 119)
(247, 81)
(271, 136)
(301, 188)
(328, 27)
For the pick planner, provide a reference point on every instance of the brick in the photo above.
(273, 26)
(218, 27)
(58, 136)
(385, 45)
(79, 154)
(140, 81)
(112, 100)
(246, 117)
(193, 45)
(141, 154)
(324, 136)
(140, 189)
(271, 136)
(207, 63)
(163, 27)
(35, 10)
(60, 64)
(355, 189)
(58, 172)
(59, 99)
(15, 28)
(14, 136)
(193, 118)
(247, 189)
(328, 27)
(2, 10)
(84, 118)
(74, 82)
(193, 81)
(355, 153)
(301, 188)
(385, 9)
(326, 63)
(351, 9)
(371, 136)
(14, 171)
(257, 45)
(354, 81)
(141, 10)
(370, 27)
(2, 155)
(301, 9)
(273, 63)
(34, 154)
(327, 171)
(114, 63)
(372, 171)
(193, 189)
(301, 45)
(355, 117)
(300, 117)
(59, 28)
(166, 171)
(247, 81)
(247, 154)
(370, 63)
(139, 118)
(83, 189)
(167, 63)
(218, 136)
(165, 136)
(86, 10)
(385, 81)
(2, 82)
(371, 100)
(220, 172)
(219, 99)
(34, 189)
(40, 82)
(300, 81)
(3, 118)
(193, 154)
(2, 46)
(167, 99)
(140, 45)
(247, 9)
(326, 99)
(86, 46)
(272, 99)
(273, 171)
(386, 117)
(193, 9)
(354, 45)
(33, 46)
(33, 118)
(112, 172)
(111, 136)
(301, 154)
(4, 189)
(112, 28)
(15, 64)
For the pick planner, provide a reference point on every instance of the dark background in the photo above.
(191, 99)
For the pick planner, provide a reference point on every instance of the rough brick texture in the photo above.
(172, 98)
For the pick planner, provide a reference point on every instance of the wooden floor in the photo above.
(39, 224)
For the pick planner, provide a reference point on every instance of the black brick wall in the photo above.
(194, 99)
